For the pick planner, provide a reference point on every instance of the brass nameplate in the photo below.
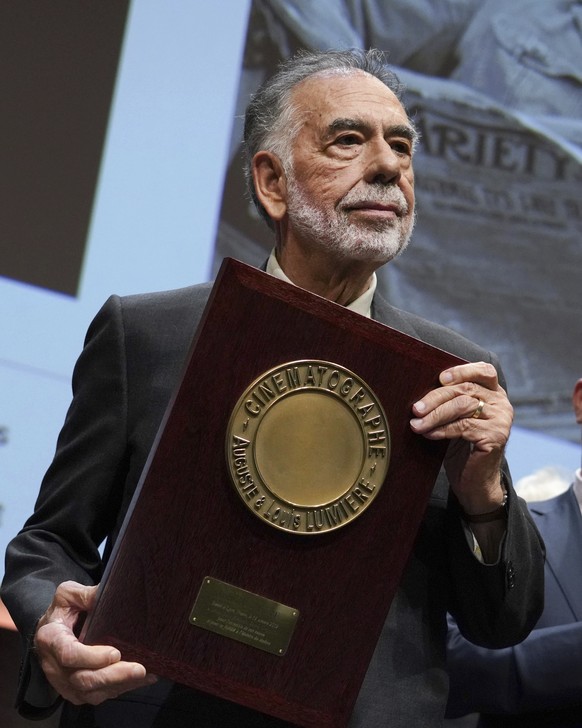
(244, 616)
(308, 446)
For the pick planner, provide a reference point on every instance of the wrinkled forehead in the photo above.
(344, 91)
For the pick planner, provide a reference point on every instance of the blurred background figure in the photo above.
(544, 483)
(539, 681)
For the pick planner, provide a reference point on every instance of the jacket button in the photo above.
(510, 576)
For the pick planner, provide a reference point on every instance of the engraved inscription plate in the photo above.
(308, 446)
(244, 616)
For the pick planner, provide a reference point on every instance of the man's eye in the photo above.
(401, 147)
(347, 140)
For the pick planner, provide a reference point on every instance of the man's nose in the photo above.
(383, 164)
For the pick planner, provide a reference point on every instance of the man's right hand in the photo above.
(81, 673)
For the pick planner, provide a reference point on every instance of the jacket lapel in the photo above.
(386, 314)
(560, 523)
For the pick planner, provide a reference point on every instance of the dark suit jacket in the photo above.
(133, 355)
(539, 680)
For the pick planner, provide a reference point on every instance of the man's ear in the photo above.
(577, 401)
(270, 184)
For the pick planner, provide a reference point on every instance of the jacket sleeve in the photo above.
(497, 605)
(543, 672)
(78, 499)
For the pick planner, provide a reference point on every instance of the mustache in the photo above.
(376, 195)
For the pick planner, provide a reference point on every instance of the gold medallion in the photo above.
(308, 446)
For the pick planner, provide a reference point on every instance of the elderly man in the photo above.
(330, 150)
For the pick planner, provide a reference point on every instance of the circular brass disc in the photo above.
(308, 446)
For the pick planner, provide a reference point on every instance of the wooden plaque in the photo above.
(279, 612)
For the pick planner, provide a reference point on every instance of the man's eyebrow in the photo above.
(348, 124)
(355, 124)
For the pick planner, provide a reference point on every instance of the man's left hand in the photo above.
(473, 409)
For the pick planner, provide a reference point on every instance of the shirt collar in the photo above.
(578, 486)
(362, 305)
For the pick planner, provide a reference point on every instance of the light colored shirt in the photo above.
(362, 305)
(578, 487)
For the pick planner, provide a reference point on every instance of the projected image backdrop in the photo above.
(497, 252)
(123, 175)
(112, 185)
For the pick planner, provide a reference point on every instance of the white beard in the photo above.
(331, 228)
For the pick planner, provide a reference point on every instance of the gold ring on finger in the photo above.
(477, 413)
